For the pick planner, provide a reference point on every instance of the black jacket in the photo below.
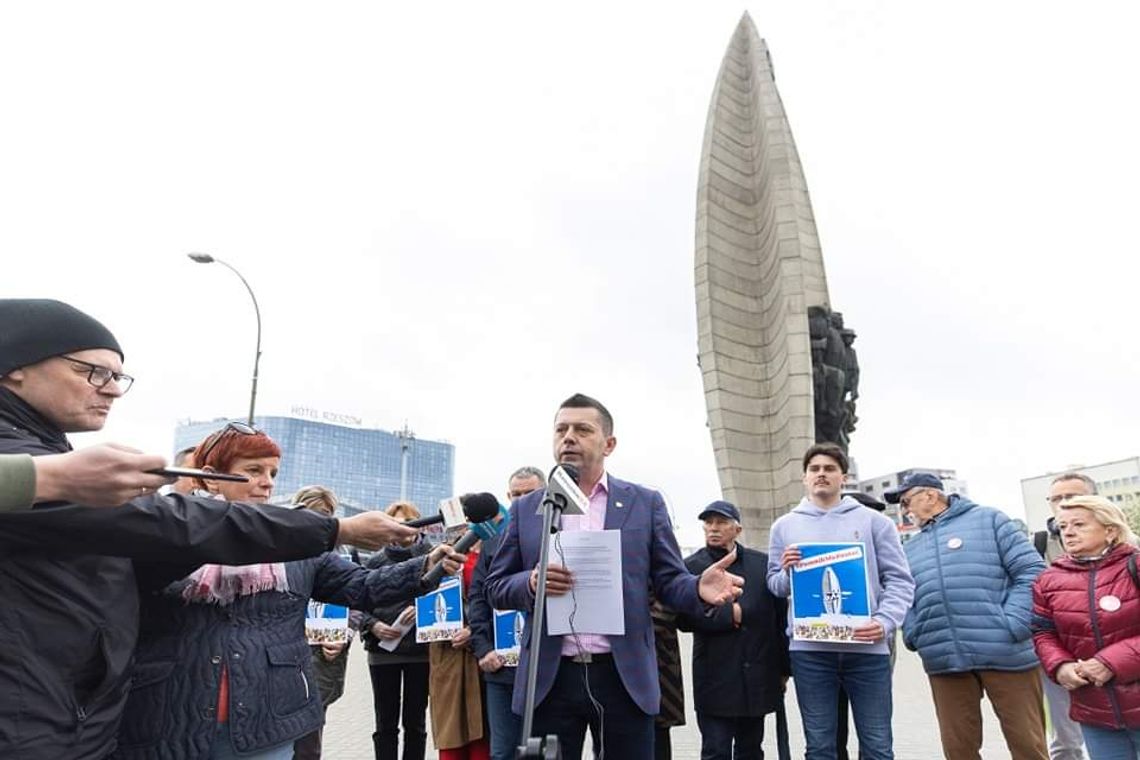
(260, 640)
(407, 650)
(737, 672)
(69, 619)
(480, 612)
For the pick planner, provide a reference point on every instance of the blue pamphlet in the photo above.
(508, 635)
(830, 594)
(439, 614)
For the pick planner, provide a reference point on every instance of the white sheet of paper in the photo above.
(594, 557)
(389, 645)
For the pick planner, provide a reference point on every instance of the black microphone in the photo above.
(482, 506)
(477, 508)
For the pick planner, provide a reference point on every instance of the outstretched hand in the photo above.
(373, 530)
(106, 475)
(717, 586)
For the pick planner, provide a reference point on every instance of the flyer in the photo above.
(508, 635)
(326, 623)
(830, 593)
(439, 614)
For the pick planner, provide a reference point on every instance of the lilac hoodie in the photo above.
(891, 585)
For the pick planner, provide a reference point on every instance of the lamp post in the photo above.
(406, 437)
(205, 258)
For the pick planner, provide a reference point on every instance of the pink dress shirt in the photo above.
(594, 520)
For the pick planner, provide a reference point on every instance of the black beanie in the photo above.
(34, 329)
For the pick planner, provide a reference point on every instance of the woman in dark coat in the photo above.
(1086, 624)
(223, 668)
(400, 673)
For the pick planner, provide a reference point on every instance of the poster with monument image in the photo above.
(830, 595)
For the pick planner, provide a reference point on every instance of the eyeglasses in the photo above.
(100, 376)
(215, 438)
(906, 500)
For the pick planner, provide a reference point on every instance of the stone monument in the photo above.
(763, 310)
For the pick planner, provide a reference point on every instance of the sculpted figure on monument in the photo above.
(835, 375)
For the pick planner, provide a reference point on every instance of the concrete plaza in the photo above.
(348, 735)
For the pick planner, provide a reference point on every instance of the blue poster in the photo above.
(439, 614)
(326, 623)
(508, 635)
(830, 595)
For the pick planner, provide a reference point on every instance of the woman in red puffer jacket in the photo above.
(1086, 623)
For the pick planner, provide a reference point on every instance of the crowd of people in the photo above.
(147, 618)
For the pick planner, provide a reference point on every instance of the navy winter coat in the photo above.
(171, 713)
(973, 572)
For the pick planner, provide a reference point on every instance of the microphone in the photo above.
(485, 505)
(562, 491)
(469, 508)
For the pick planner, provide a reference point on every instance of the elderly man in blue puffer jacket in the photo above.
(974, 573)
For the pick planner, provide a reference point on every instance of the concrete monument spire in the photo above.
(758, 269)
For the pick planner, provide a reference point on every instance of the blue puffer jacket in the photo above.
(974, 573)
(171, 713)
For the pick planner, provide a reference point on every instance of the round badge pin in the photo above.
(1109, 603)
(954, 543)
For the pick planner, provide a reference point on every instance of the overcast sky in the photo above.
(457, 214)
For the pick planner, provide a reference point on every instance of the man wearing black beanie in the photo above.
(69, 620)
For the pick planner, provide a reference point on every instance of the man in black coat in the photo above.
(70, 613)
(740, 652)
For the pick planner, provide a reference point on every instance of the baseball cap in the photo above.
(914, 480)
(722, 508)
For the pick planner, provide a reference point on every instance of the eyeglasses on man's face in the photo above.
(99, 376)
(906, 500)
(240, 428)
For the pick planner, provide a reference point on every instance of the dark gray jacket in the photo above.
(481, 614)
(407, 650)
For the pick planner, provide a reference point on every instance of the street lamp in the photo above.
(406, 436)
(205, 258)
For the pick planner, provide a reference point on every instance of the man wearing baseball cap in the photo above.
(69, 621)
(740, 651)
(974, 573)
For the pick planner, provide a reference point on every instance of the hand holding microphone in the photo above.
(481, 505)
(474, 508)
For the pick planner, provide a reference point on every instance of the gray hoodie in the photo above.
(891, 585)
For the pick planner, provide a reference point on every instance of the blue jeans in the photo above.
(1110, 743)
(867, 680)
(223, 748)
(504, 724)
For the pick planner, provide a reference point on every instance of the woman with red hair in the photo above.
(223, 668)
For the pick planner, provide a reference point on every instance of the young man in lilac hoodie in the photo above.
(861, 667)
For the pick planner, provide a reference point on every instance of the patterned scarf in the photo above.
(221, 584)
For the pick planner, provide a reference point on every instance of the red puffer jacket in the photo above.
(1087, 609)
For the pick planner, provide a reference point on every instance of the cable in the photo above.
(601, 743)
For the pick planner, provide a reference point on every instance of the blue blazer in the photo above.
(650, 557)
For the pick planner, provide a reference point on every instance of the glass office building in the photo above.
(364, 467)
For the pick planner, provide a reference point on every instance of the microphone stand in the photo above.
(539, 748)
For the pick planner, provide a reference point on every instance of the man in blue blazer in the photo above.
(608, 683)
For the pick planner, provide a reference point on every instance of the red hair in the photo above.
(231, 446)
